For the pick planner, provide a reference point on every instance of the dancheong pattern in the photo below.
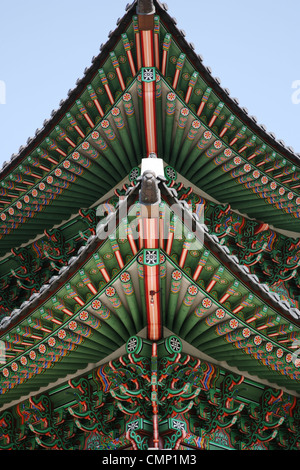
(155, 309)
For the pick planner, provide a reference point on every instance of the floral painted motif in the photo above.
(193, 290)
(257, 340)
(42, 348)
(220, 313)
(84, 315)
(23, 361)
(96, 304)
(206, 302)
(73, 325)
(51, 342)
(62, 334)
(110, 291)
(176, 275)
(32, 355)
(125, 277)
(233, 323)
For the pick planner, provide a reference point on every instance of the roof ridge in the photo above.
(233, 260)
(259, 129)
(56, 114)
(8, 321)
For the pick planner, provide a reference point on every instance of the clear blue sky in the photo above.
(253, 47)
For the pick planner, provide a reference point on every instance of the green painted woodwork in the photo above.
(103, 322)
(97, 304)
(44, 160)
(227, 410)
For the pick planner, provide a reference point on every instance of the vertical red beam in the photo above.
(150, 222)
(149, 104)
(149, 92)
(152, 280)
(146, 32)
(147, 48)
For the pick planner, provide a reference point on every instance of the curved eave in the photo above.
(211, 242)
(11, 230)
(46, 151)
(54, 295)
(63, 276)
(78, 229)
(241, 272)
(224, 97)
(20, 333)
(67, 103)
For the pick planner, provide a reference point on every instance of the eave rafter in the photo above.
(182, 401)
(91, 312)
(268, 178)
(148, 264)
(271, 257)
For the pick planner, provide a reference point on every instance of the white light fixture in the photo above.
(153, 164)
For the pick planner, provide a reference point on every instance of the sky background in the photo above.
(253, 47)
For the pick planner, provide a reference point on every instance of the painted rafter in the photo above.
(69, 321)
(57, 146)
(197, 402)
(73, 324)
(221, 221)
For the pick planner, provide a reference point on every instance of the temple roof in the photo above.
(96, 303)
(86, 293)
(270, 191)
